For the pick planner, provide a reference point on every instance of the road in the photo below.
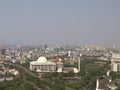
(28, 72)
(25, 69)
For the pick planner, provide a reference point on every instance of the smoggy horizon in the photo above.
(79, 22)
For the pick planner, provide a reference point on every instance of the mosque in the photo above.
(43, 65)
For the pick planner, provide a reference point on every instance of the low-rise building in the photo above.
(42, 65)
(105, 84)
(8, 77)
(115, 66)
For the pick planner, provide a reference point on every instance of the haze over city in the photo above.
(60, 22)
(59, 45)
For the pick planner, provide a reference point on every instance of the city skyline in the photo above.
(60, 22)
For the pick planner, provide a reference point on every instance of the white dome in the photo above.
(42, 59)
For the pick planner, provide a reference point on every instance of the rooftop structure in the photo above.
(115, 57)
(68, 69)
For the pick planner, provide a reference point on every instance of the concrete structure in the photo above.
(8, 77)
(13, 60)
(115, 66)
(5, 77)
(115, 57)
(71, 53)
(14, 72)
(59, 64)
(43, 65)
(108, 73)
(79, 64)
(68, 69)
(115, 62)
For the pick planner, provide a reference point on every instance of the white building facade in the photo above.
(115, 66)
(43, 65)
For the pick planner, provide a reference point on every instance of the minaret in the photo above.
(79, 62)
(108, 73)
(97, 84)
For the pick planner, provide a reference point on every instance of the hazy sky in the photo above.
(60, 22)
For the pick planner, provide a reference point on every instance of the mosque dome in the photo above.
(42, 59)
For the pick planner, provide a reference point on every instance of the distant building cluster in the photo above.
(93, 48)
(7, 73)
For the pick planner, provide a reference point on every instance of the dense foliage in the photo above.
(90, 71)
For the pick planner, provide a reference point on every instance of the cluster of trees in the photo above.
(54, 81)
(116, 76)
(88, 75)
(90, 71)
(16, 84)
